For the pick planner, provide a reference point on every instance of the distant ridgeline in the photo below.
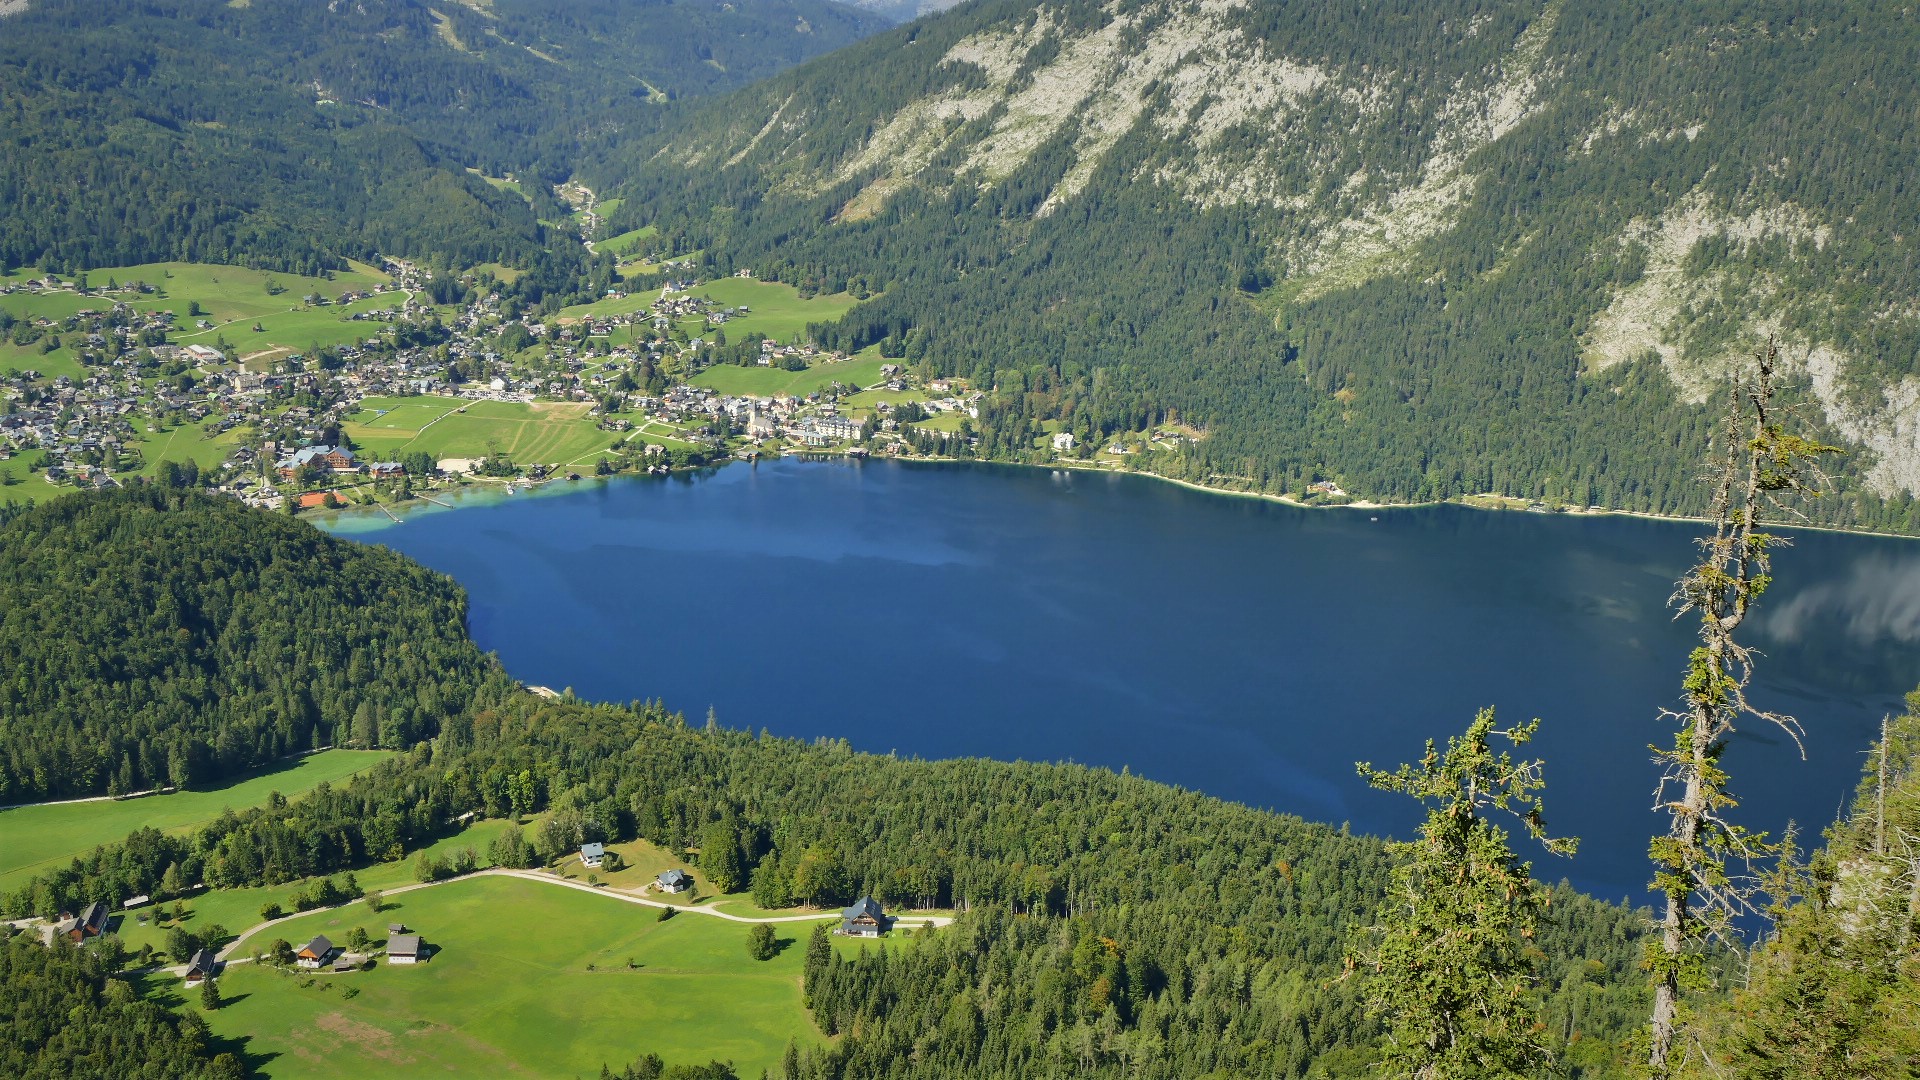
(1111, 926)
(294, 135)
(150, 638)
(1426, 250)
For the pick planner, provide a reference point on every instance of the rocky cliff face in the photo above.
(1732, 172)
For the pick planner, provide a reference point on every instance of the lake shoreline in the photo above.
(1093, 468)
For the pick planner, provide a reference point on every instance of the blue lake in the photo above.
(1247, 649)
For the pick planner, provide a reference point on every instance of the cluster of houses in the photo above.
(90, 923)
(675, 880)
(90, 427)
(403, 947)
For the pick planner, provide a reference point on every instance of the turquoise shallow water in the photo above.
(1247, 649)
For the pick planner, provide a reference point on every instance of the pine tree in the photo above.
(1759, 464)
(209, 994)
(1451, 964)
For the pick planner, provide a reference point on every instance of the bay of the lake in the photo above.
(1250, 650)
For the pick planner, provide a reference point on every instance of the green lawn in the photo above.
(293, 329)
(770, 382)
(509, 991)
(867, 399)
(40, 836)
(946, 421)
(540, 433)
(26, 485)
(50, 365)
(187, 442)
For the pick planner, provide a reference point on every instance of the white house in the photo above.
(592, 855)
(675, 881)
(1063, 441)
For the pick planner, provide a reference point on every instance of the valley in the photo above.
(683, 540)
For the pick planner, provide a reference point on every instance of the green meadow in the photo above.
(528, 979)
(233, 298)
(197, 443)
(45, 835)
(777, 309)
(772, 382)
(626, 241)
(552, 433)
(18, 483)
(238, 909)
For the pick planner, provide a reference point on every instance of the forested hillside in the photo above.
(1425, 250)
(1836, 991)
(295, 135)
(150, 638)
(1113, 926)
(71, 1012)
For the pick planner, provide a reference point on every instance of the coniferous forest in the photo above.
(157, 638)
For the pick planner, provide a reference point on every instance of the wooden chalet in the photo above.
(203, 965)
(864, 919)
(315, 953)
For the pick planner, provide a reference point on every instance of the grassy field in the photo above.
(540, 433)
(946, 421)
(626, 241)
(769, 382)
(238, 909)
(233, 298)
(867, 399)
(26, 485)
(187, 442)
(39, 836)
(528, 980)
(778, 311)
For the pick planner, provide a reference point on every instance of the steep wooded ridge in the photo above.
(1425, 249)
(292, 134)
(150, 638)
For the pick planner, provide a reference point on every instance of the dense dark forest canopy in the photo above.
(1400, 247)
(155, 637)
(71, 1012)
(296, 135)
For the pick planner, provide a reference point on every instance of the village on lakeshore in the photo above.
(278, 390)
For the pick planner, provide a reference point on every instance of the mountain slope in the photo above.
(1424, 249)
(294, 134)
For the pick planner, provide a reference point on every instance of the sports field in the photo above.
(528, 980)
(550, 433)
(41, 836)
